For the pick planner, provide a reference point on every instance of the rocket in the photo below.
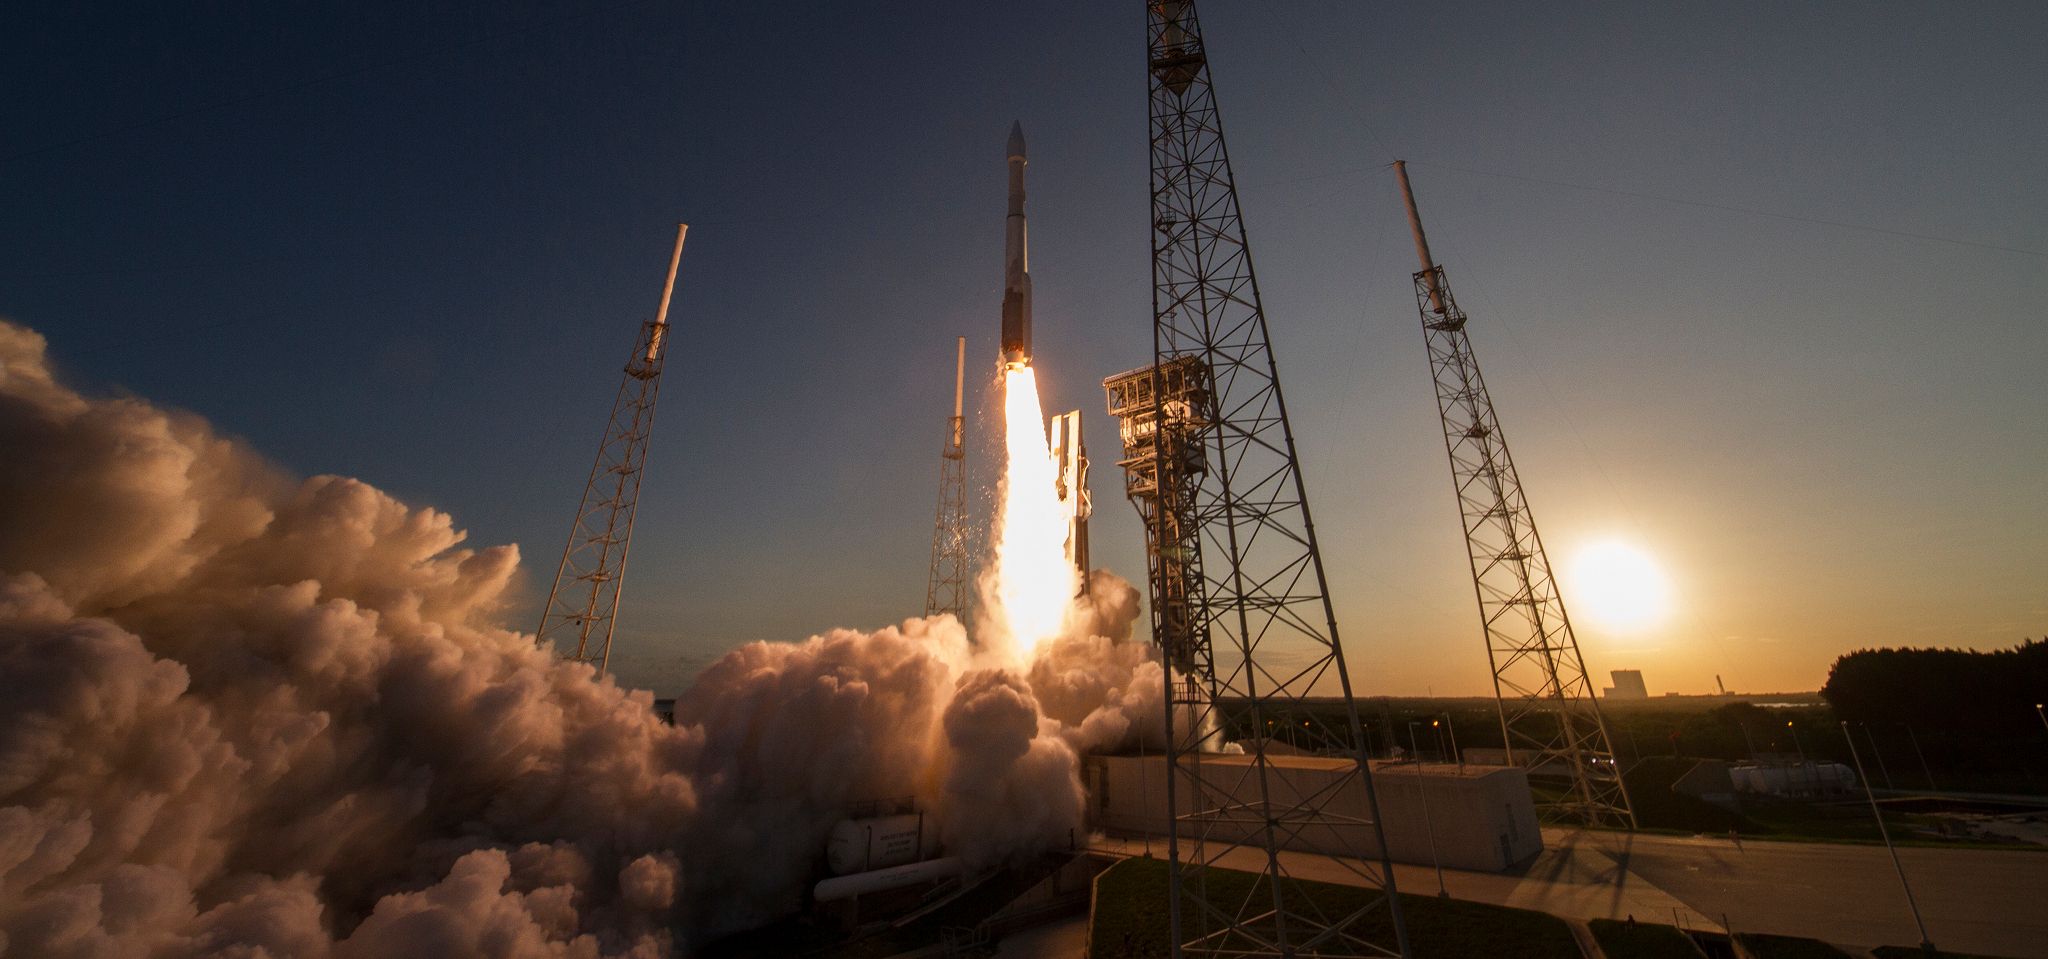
(1016, 339)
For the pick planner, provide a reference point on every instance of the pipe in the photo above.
(959, 375)
(1436, 298)
(667, 290)
(882, 880)
(1926, 944)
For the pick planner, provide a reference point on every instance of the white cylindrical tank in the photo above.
(864, 845)
(1834, 777)
(1794, 779)
(880, 880)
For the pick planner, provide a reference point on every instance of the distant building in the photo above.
(1628, 684)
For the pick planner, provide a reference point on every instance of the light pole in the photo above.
(1926, 944)
(1453, 730)
(1423, 792)
(2043, 716)
(1804, 773)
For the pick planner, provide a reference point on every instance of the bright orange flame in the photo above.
(1033, 580)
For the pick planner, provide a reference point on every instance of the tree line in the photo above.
(1955, 691)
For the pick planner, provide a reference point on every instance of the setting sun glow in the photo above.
(1618, 587)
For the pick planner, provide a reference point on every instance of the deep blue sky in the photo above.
(413, 246)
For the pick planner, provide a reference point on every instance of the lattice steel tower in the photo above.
(1549, 716)
(945, 589)
(1161, 411)
(1260, 614)
(583, 606)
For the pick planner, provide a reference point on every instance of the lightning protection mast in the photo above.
(1256, 638)
(945, 588)
(1549, 718)
(583, 606)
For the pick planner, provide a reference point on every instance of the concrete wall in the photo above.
(1068, 891)
(1482, 816)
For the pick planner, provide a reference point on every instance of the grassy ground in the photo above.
(1764, 946)
(1131, 921)
(1642, 940)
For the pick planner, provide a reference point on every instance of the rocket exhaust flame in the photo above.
(247, 714)
(1033, 582)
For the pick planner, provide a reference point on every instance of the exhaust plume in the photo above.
(1030, 585)
(249, 715)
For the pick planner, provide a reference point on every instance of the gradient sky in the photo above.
(412, 246)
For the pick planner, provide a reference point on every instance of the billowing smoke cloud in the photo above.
(245, 715)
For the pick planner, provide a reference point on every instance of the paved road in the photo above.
(1986, 901)
(1571, 879)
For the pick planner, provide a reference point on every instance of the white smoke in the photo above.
(245, 715)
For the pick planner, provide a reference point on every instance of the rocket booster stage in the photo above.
(1016, 339)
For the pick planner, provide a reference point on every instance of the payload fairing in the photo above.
(1016, 339)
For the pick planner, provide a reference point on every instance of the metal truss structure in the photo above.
(945, 588)
(1236, 518)
(1159, 412)
(583, 605)
(1549, 716)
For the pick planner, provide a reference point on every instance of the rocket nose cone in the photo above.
(1016, 140)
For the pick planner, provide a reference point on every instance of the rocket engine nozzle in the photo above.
(1016, 341)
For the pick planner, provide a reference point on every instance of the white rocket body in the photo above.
(1016, 338)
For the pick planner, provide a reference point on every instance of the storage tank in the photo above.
(864, 845)
(1794, 779)
(1834, 777)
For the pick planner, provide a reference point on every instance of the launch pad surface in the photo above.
(1979, 901)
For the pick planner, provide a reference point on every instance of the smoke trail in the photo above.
(1033, 582)
(247, 715)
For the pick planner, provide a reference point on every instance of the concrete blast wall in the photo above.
(1482, 816)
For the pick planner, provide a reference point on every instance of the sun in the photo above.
(1618, 587)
